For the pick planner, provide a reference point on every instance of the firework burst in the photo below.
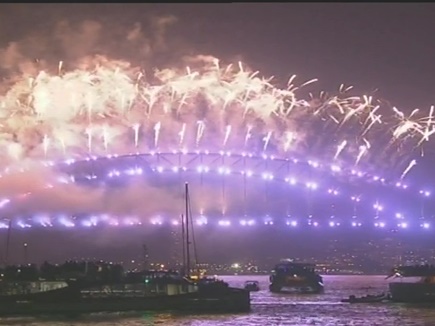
(118, 109)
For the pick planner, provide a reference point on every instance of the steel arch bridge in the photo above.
(225, 171)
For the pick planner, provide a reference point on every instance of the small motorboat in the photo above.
(370, 298)
(252, 286)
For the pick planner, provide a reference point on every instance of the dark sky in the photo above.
(389, 47)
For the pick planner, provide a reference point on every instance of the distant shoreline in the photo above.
(327, 274)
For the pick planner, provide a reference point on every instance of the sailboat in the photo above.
(208, 287)
(193, 274)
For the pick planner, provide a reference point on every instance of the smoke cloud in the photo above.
(85, 44)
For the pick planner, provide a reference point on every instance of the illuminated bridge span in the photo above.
(224, 162)
(245, 189)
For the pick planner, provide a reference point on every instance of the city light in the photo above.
(224, 223)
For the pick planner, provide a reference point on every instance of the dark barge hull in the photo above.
(232, 301)
(412, 292)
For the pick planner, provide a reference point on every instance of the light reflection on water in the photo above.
(270, 309)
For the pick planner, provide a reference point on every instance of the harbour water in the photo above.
(270, 309)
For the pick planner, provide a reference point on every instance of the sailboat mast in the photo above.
(187, 229)
(183, 243)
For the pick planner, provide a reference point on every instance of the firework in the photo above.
(117, 110)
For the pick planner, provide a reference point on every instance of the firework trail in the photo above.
(340, 148)
(408, 168)
(62, 115)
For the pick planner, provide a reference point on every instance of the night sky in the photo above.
(385, 47)
(389, 47)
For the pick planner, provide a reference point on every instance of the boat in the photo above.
(416, 284)
(106, 288)
(289, 276)
(370, 298)
(252, 286)
(88, 287)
